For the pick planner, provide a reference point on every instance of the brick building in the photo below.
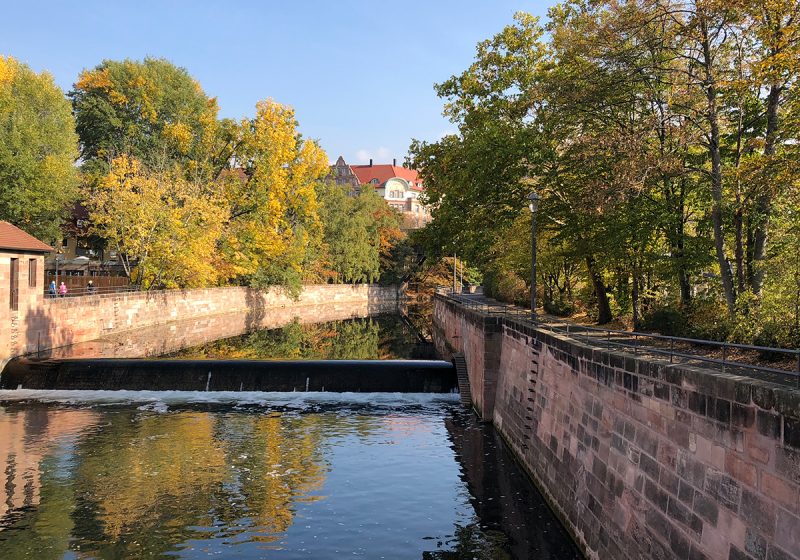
(21, 282)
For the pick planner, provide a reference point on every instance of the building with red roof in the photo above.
(14, 240)
(399, 186)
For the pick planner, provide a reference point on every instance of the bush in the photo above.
(709, 320)
(775, 335)
(559, 308)
(668, 321)
(512, 289)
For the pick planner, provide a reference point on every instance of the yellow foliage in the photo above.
(94, 79)
(276, 205)
(8, 67)
(165, 226)
(179, 135)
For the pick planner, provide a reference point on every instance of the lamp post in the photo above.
(533, 206)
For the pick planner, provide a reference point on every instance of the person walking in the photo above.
(52, 289)
(91, 289)
(62, 290)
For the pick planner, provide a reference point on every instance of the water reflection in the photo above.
(372, 338)
(32, 494)
(515, 521)
(158, 340)
(426, 481)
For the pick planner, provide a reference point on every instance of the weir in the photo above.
(373, 376)
(245, 445)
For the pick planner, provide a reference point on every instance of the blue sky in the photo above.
(359, 74)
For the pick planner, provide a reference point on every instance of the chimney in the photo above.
(370, 162)
(394, 162)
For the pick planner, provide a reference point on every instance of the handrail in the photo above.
(640, 339)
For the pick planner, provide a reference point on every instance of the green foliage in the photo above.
(38, 149)
(151, 110)
(354, 232)
(665, 320)
(668, 178)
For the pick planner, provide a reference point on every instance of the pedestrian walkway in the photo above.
(776, 365)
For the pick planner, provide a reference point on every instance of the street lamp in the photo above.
(533, 205)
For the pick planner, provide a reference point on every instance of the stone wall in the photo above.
(641, 458)
(53, 323)
(13, 335)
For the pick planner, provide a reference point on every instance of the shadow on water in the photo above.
(515, 521)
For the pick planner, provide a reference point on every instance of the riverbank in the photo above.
(55, 323)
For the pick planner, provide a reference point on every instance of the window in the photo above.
(31, 273)
(374, 181)
(14, 284)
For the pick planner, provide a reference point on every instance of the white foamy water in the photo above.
(161, 401)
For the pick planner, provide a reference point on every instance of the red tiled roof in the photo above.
(381, 172)
(14, 239)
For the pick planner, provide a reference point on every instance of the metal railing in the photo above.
(86, 291)
(641, 343)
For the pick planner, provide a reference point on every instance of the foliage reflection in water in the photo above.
(310, 481)
(373, 338)
(148, 474)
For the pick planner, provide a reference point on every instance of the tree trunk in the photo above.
(716, 171)
(739, 249)
(637, 318)
(764, 198)
(600, 291)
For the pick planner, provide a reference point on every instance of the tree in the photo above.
(164, 228)
(150, 110)
(38, 149)
(359, 232)
(274, 214)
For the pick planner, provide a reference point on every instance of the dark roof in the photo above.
(14, 239)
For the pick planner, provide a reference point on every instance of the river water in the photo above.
(114, 474)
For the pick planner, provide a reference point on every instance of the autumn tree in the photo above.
(38, 149)
(274, 215)
(164, 228)
(662, 137)
(359, 232)
(150, 110)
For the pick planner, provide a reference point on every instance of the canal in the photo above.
(149, 474)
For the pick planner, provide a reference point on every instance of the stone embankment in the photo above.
(54, 323)
(639, 457)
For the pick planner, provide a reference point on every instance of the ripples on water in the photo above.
(287, 476)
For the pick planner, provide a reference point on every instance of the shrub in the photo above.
(709, 320)
(776, 335)
(512, 289)
(668, 321)
(559, 308)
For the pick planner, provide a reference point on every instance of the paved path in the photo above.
(707, 354)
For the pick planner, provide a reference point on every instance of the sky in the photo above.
(358, 73)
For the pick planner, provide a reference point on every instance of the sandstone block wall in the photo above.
(641, 458)
(12, 333)
(52, 323)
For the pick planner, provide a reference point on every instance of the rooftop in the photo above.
(384, 172)
(14, 239)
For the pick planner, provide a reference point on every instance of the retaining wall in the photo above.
(640, 458)
(58, 322)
